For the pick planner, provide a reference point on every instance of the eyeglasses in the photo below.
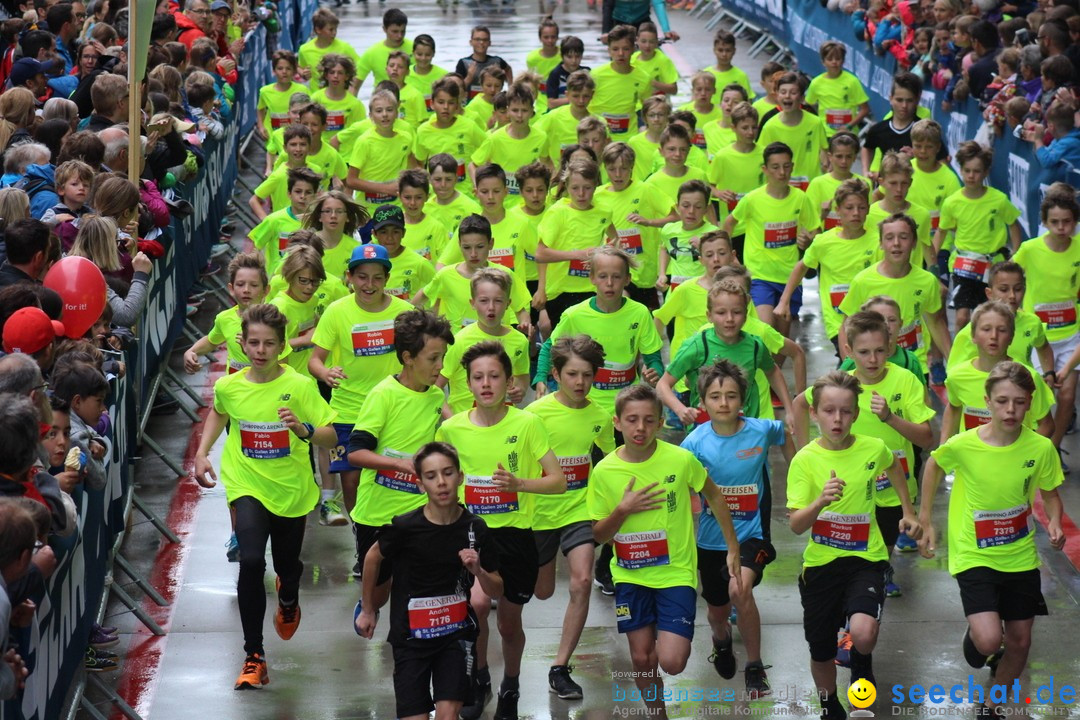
(307, 282)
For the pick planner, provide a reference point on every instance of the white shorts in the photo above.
(1063, 350)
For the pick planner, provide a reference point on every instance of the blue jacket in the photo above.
(1061, 155)
(46, 197)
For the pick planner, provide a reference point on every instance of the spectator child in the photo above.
(203, 101)
(84, 388)
(73, 181)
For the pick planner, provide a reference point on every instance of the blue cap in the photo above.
(369, 253)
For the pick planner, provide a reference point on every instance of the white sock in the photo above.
(328, 494)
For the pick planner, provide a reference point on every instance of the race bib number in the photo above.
(335, 120)
(910, 337)
(617, 124)
(376, 198)
(373, 338)
(460, 170)
(974, 417)
(699, 139)
(437, 617)
(780, 234)
(634, 551)
(800, 181)
(236, 366)
(578, 268)
(615, 376)
(843, 532)
(282, 243)
(427, 103)
(837, 293)
(732, 203)
(512, 186)
(264, 440)
(502, 256)
(630, 241)
(483, 497)
(1001, 527)
(832, 220)
(475, 90)
(278, 120)
(838, 119)
(576, 469)
(972, 266)
(935, 218)
(742, 501)
(1057, 315)
(395, 479)
(883, 483)
(675, 281)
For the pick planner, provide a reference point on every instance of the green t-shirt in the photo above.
(704, 348)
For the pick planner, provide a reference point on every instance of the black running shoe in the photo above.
(560, 683)
(481, 695)
(971, 653)
(506, 708)
(723, 658)
(757, 682)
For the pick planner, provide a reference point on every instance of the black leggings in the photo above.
(254, 526)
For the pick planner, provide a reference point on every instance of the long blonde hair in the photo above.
(96, 242)
(14, 205)
(17, 108)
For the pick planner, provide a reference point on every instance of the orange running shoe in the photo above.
(253, 673)
(286, 619)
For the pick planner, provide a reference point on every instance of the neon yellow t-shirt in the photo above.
(362, 344)
(560, 125)
(929, 190)
(681, 247)
(981, 227)
(990, 523)
(511, 153)
(410, 272)
(806, 140)
(738, 172)
(624, 334)
(510, 236)
(847, 527)
(716, 137)
(402, 421)
(966, 388)
(516, 345)
(309, 55)
(452, 212)
(380, 159)
(226, 329)
(517, 442)
(840, 261)
(374, 59)
(480, 110)
(339, 113)
(566, 228)
(659, 67)
(923, 224)
(347, 138)
(1053, 283)
(573, 432)
(271, 235)
(263, 459)
(905, 395)
(838, 99)
(654, 548)
(646, 154)
(617, 97)
(822, 191)
(542, 66)
(1029, 335)
(528, 240)
(453, 291)
(640, 242)
(727, 77)
(276, 104)
(686, 305)
(772, 226)
(335, 259)
(774, 342)
(423, 83)
(327, 162)
(427, 238)
(304, 316)
(461, 140)
(704, 119)
(917, 293)
(667, 187)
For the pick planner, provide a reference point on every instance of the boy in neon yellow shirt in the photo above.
(272, 108)
(507, 460)
(655, 561)
(679, 252)
(838, 95)
(545, 58)
(805, 133)
(720, 133)
(324, 25)
(448, 205)
(777, 219)
(411, 271)
(845, 558)
(448, 132)
(275, 143)
(736, 169)
(273, 414)
(914, 289)
(998, 468)
(424, 234)
(933, 180)
(380, 155)
(984, 220)
(674, 147)
(412, 108)
(723, 70)
(894, 182)
(620, 86)
(515, 145)
(481, 107)
(321, 156)
(510, 233)
(275, 187)
(534, 180)
(343, 109)
(654, 62)
(561, 123)
(490, 296)
(424, 74)
(842, 151)
(703, 89)
(375, 58)
(656, 111)
(271, 235)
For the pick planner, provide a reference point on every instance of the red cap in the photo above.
(29, 330)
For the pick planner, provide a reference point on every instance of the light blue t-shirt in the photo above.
(739, 464)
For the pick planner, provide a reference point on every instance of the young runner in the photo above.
(336, 217)
(449, 184)
(425, 234)
(638, 497)
(620, 86)
(680, 256)
(507, 459)
(273, 413)
(997, 470)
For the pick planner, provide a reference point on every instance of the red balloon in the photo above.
(81, 286)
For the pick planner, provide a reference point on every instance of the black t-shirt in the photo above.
(429, 600)
(884, 136)
(556, 81)
(465, 63)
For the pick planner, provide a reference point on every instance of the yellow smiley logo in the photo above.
(861, 693)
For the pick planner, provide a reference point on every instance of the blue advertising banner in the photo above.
(765, 14)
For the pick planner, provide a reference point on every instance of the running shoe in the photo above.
(219, 249)
(993, 660)
(232, 549)
(757, 682)
(975, 658)
(605, 583)
(507, 706)
(287, 617)
(832, 709)
(358, 570)
(481, 696)
(843, 650)
(253, 674)
(723, 658)
(892, 589)
(95, 663)
(99, 639)
(330, 513)
(561, 684)
(906, 544)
